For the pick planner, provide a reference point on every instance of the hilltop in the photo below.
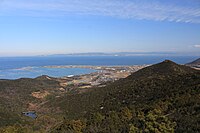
(194, 63)
(167, 91)
(164, 68)
(160, 98)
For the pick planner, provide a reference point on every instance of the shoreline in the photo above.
(103, 75)
(93, 67)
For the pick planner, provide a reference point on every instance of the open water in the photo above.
(31, 67)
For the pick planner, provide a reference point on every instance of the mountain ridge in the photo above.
(164, 68)
(195, 62)
(168, 91)
(165, 93)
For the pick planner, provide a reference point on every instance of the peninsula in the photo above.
(102, 76)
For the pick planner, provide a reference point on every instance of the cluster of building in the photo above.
(99, 78)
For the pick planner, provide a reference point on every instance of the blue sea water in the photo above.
(31, 67)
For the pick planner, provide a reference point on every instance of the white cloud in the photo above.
(189, 12)
(197, 46)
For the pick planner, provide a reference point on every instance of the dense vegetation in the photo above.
(161, 98)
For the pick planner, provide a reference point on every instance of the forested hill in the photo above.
(161, 98)
(164, 97)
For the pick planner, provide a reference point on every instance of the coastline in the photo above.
(103, 75)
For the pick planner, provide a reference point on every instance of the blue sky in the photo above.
(35, 27)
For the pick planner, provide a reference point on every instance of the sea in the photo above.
(32, 67)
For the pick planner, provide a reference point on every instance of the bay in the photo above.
(31, 67)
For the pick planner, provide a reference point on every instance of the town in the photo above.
(100, 78)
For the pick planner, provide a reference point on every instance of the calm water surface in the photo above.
(31, 67)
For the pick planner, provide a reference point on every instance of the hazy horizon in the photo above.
(166, 54)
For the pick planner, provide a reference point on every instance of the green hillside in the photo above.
(165, 91)
(164, 97)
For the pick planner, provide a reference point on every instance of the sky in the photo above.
(42, 27)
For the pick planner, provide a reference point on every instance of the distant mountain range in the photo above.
(121, 54)
(160, 98)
